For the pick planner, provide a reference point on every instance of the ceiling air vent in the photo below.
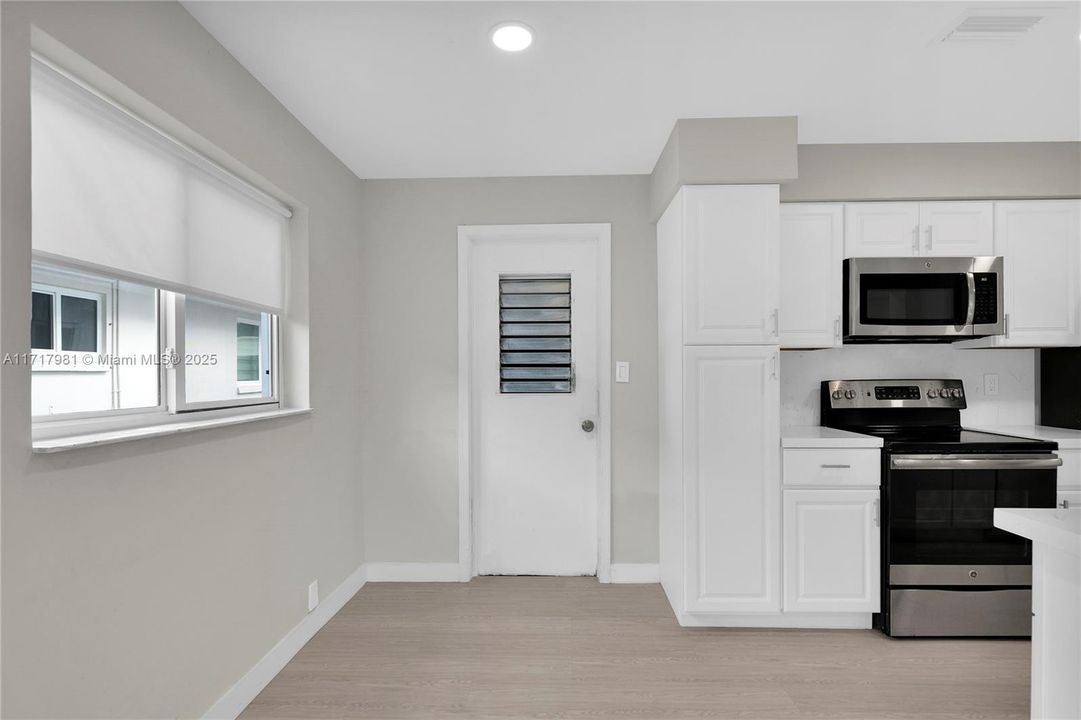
(992, 27)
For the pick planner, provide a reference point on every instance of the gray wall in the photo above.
(924, 171)
(143, 579)
(409, 298)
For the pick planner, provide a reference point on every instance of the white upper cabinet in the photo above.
(886, 229)
(831, 550)
(731, 425)
(926, 229)
(812, 251)
(957, 229)
(730, 264)
(1040, 242)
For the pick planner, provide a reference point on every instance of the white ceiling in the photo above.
(411, 89)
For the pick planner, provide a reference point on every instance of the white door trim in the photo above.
(601, 234)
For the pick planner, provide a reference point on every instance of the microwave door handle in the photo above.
(971, 313)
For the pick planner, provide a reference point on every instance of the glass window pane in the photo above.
(99, 371)
(41, 321)
(227, 352)
(247, 352)
(78, 324)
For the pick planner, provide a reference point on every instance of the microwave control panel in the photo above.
(986, 299)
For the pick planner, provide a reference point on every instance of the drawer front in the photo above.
(832, 467)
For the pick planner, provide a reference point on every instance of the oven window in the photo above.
(947, 516)
(913, 299)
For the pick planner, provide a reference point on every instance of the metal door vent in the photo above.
(535, 335)
(993, 25)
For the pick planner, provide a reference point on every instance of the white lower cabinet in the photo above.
(1068, 499)
(831, 550)
(731, 450)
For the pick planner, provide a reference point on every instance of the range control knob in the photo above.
(837, 394)
(932, 393)
(957, 392)
(850, 394)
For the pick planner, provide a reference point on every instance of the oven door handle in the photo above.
(971, 313)
(975, 462)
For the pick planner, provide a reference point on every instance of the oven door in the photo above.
(940, 516)
(910, 298)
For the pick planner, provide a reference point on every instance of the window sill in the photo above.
(109, 437)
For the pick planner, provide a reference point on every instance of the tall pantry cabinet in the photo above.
(719, 325)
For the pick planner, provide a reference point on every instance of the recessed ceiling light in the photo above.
(512, 36)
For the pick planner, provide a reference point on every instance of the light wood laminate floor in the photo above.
(572, 648)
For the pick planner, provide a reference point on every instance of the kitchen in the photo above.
(559, 369)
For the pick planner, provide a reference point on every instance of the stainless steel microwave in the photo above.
(928, 299)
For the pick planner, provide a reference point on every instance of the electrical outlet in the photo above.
(623, 371)
(990, 384)
(313, 595)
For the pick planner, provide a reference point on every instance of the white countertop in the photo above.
(1058, 528)
(1066, 439)
(816, 436)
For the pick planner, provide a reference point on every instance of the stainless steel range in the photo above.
(947, 571)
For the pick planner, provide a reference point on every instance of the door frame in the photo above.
(601, 235)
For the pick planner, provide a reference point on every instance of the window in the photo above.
(248, 377)
(535, 335)
(158, 274)
(226, 352)
(94, 343)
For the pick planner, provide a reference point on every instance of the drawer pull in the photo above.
(837, 467)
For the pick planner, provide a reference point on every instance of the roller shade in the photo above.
(113, 194)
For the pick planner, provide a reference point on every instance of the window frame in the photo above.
(176, 378)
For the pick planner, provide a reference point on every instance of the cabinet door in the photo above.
(730, 264)
(831, 551)
(732, 479)
(1040, 242)
(957, 229)
(812, 252)
(889, 229)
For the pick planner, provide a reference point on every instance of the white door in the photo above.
(732, 474)
(812, 237)
(889, 229)
(730, 264)
(831, 551)
(534, 401)
(957, 229)
(1040, 242)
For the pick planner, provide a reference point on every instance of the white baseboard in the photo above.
(636, 573)
(232, 703)
(413, 572)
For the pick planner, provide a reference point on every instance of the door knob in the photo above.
(588, 425)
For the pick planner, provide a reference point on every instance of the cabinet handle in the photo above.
(878, 515)
(929, 240)
(776, 322)
(916, 239)
(1006, 325)
(837, 328)
(773, 366)
(1065, 504)
(837, 467)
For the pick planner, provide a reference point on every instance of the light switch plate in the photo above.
(990, 384)
(623, 371)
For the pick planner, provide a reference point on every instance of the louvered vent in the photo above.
(535, 335)
(992, 27)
